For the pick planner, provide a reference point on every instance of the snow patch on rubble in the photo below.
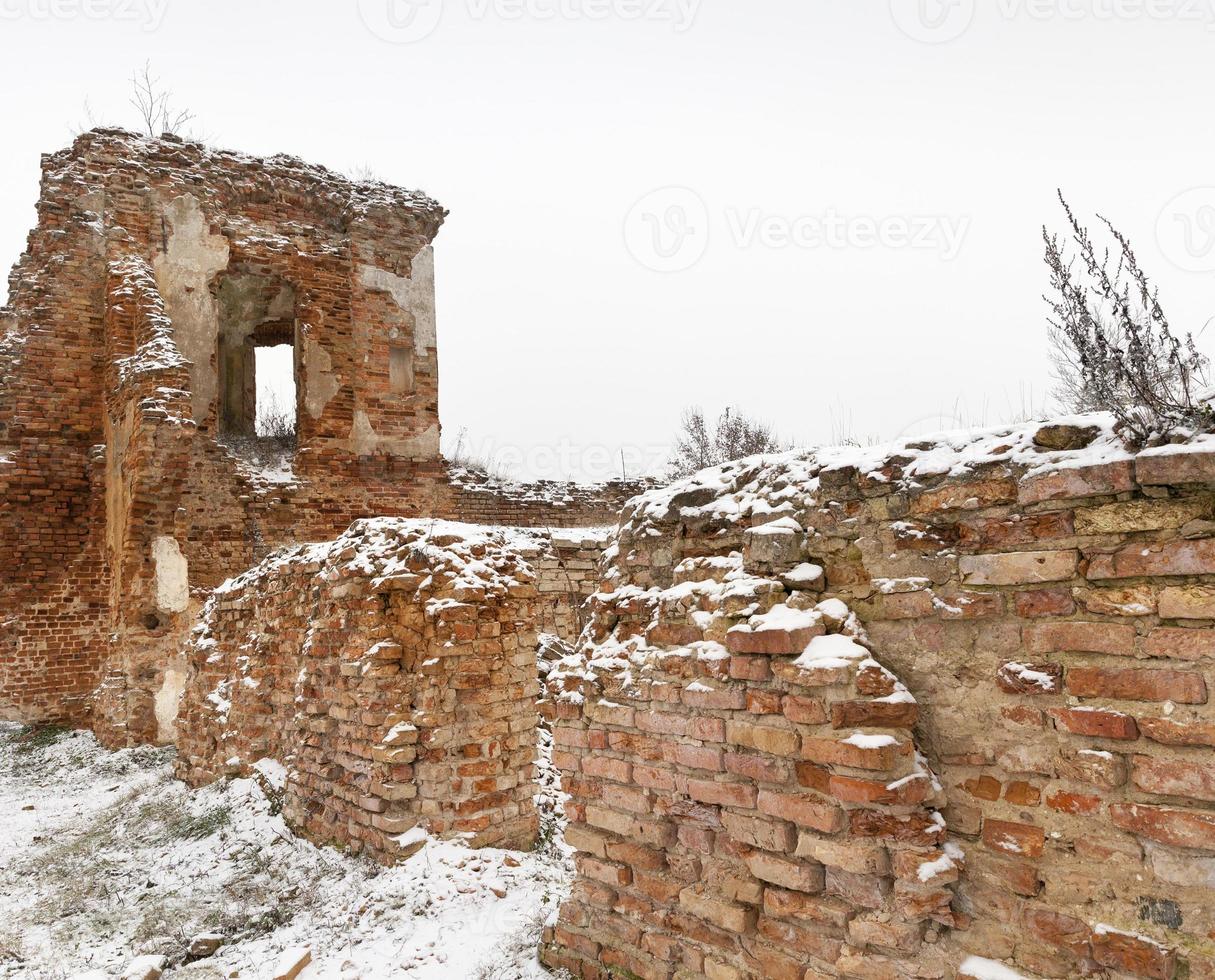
(114, 860)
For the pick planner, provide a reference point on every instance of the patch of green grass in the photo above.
(34, 738)
(196, 826)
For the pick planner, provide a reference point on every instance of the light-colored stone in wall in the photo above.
(172, 575)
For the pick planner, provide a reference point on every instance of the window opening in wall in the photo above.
(274, 369)
(258, 368)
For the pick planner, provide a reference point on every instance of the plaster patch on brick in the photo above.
(364, 440)
(321, 383)
(414, 295)
(167, 699)
(191, 258)
(172, 575)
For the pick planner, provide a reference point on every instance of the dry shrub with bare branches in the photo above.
(1113, 349)
(154, 103)
(735, 436)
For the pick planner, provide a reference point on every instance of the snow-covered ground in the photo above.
(104, 857)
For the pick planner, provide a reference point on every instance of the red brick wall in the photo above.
(1054, 625)
(391, 671)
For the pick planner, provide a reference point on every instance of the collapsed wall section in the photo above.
(392, 672)
(1046, 598)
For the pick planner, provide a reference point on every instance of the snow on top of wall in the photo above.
(773, 485)
(462, 556)
(139, 152)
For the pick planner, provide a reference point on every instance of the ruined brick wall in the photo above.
(392, 672)
(743, 796)
(131, 481)
(482, 500)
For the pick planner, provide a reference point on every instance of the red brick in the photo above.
(1101, 479)
(1021, 793)
(908, 792)
(795, 875)
(804, 711)
(920, 829)
(1077, 804)
(779, 741)
(875, 681)
(1096, 723)
(1061, 931)
(1180, 644)
(1023, 840)
(806, 908)
(959, 495)
(1023, 714)
(761, 768)
(805, 811)
(1128, 684)
(1180, 828)
(772, 642)
(1174, 777)
(840, 752)
(607, 768)
(1073, 637)
(750, 668)
(983, 787)
(1035, 603)
(874, 714)
(1134, 954)
(722, 794)
(722, 699)
(1018, 677)
(1177, 557)
(764, 702)
(771, 835)
(1093, 766)
(694, 756)
(1169, 732)
(673, 635)
(1161, 467)
(867, 891)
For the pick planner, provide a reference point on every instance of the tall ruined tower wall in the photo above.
(132, 477)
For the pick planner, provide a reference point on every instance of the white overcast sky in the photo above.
(802, 144)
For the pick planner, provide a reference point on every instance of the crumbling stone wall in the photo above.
(740, 791)
(130, 483)
(392, 672)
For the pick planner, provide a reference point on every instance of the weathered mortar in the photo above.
(1051, 613)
